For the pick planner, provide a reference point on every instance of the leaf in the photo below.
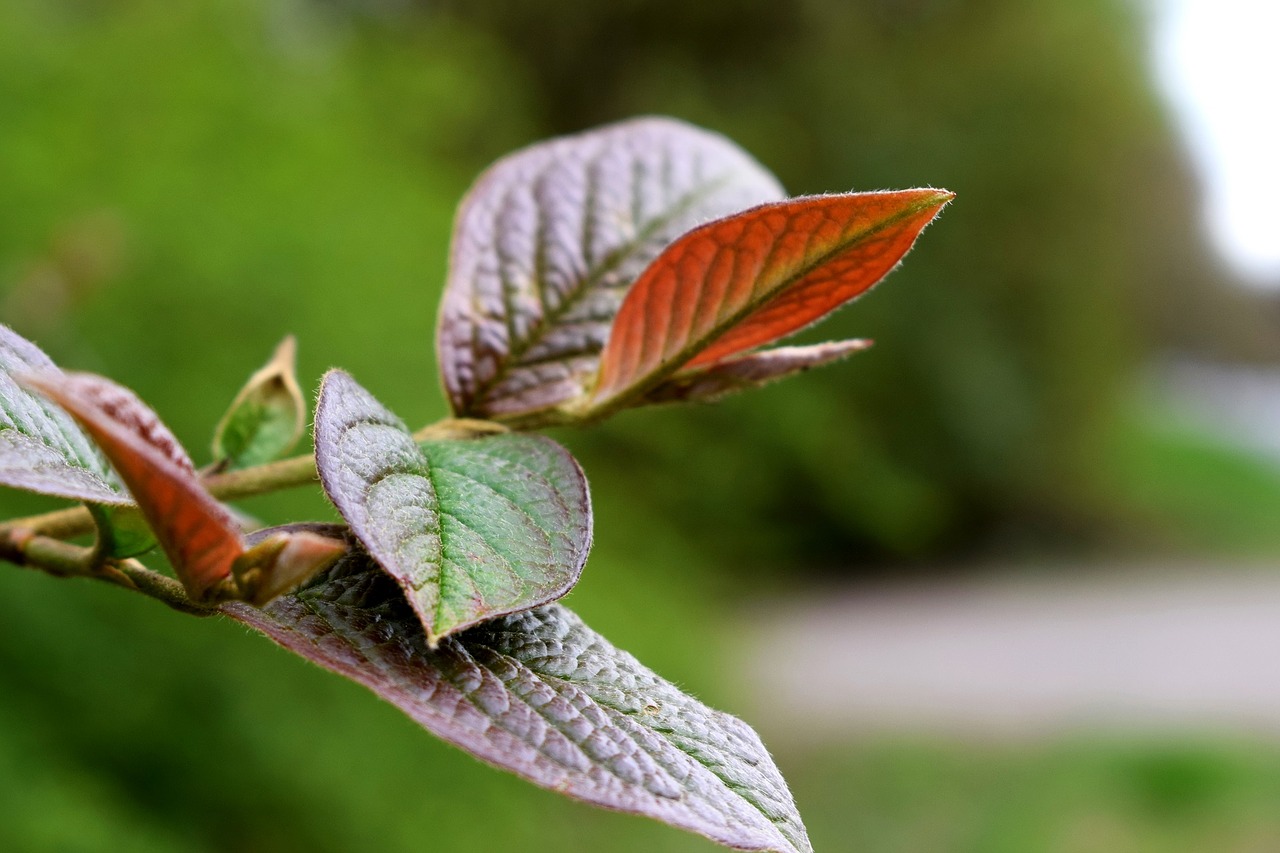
(198, 534)
(278, 559)
(470, 529)
(266, 418)
(548, 241)
(122, 532)
(41, 448)
(542, 695)
(750, 279)
(750, 371)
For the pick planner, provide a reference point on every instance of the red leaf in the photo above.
(198, 535)
(749, 279)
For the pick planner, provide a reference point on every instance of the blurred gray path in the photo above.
(1138, 649)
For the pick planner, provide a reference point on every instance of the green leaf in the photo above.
(41, 448)
(122, 531)
(471, 529)
(542, 695)
(266, 418)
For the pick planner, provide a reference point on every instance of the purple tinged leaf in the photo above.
(41, 447)
(550, 238)
(542, 695)
(470, 529)
(750, 371)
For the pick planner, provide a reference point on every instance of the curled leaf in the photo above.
(41, 448)
(750, 279)
(266, 418)
(540, 694)
(471, 529)
(750, 371)
(279, 559)
(199, 535)
(548, 241)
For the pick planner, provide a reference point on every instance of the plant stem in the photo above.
(260, 479)
(24, 548)
(161, 587)
(35, 541)
(243, 483)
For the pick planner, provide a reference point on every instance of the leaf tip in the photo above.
(286, 352)
(937, 199)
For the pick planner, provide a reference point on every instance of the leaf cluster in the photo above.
(645, 262)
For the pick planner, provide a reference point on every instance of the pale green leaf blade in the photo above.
(471, 529)
(122, 531)
(267, 417)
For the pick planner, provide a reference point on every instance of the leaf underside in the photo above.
(470, 529)
(750, 371)
(41, 448)
(548, 241)
(542, 695)
(750, 279)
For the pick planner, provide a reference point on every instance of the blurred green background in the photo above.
(184, 183)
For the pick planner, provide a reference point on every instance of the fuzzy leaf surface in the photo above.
(41, 447)
(550, 238)
(740, 373)
(267, 417)
(750, 279)
(198, 534)
(540, 694)
(471, 529)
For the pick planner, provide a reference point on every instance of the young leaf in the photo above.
(750, 279)
(266, 418)
(41, 448)
(550, 238)
(471, 529)
(540, 694)
(198, 534)
(750, 371)
(278, 559)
